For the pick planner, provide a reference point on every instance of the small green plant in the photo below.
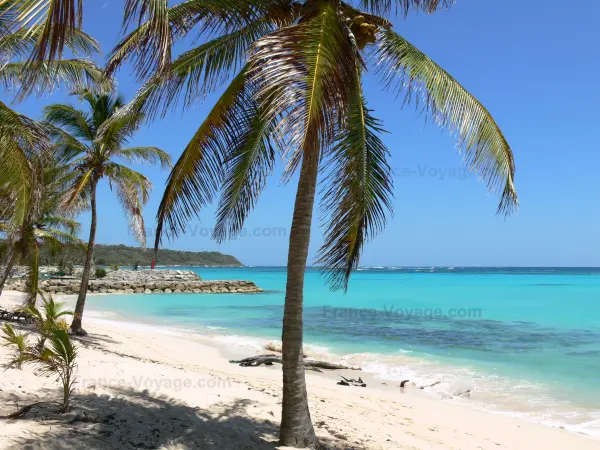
(114, 267)
(16, 340)
(52, 319)
(53, 352)
(100, 272)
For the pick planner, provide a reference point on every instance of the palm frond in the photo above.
(21, 43)
(14, 132)
(405, 6)
(409, 72)
(77, 123)
(150, 155)
(214, 18)
(71, 226)
(132, 190)
(58, 19)
(204, 69)
(18, 341)
(57, 239)
(62, 347)
(251, 161)
(307, 73)
(197, 72)
(65, 145)
(48, 76)
(197, 175)
(114, 123)
(155, 49)
(359, 192)
(78, 189)
(21, 139)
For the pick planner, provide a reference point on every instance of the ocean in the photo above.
(524, 341)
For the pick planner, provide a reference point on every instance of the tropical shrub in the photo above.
(53, 352)
(15, 340)
(100, 272)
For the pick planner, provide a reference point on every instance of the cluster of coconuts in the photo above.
(363, 32)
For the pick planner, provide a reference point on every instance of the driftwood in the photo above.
(403, 384)
(268, 360)
(351, 382)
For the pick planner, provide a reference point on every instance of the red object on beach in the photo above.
(152, 264)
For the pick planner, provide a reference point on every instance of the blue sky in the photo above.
(533, 64)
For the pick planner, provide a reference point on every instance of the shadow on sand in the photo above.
(133, 420)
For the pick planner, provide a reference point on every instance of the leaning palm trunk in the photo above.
(296, 425)
(299, 91)
(33, 280)
(76, 326)
(12, 260)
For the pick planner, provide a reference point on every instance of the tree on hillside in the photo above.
(96, 140)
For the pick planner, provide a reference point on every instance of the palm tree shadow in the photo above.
(134, 420)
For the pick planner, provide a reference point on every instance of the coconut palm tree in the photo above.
(95, 139)
(24, 143)
(294, 70)
(37, 220)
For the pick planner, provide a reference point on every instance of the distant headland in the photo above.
(122, 255)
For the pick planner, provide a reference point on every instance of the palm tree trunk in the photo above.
(12, 260)
(87, 267)
(33, 280)
(296, 425)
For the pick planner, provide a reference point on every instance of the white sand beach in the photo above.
(143, 387)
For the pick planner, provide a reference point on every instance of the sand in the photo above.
(147, 387)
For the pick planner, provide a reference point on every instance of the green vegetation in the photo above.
(37, 218)
(53, 352)
(122, 255)
(16, 341)
(107, 255)
(100, 272)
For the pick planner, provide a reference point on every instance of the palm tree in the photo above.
(24, 143)
(294, 70)
(37, 220)
(95, 140)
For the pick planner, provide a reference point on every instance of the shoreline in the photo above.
(444, 381)
(376, 417)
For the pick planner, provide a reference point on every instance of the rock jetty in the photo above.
(141, 282)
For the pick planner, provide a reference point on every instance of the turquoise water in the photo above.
(525, 341)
